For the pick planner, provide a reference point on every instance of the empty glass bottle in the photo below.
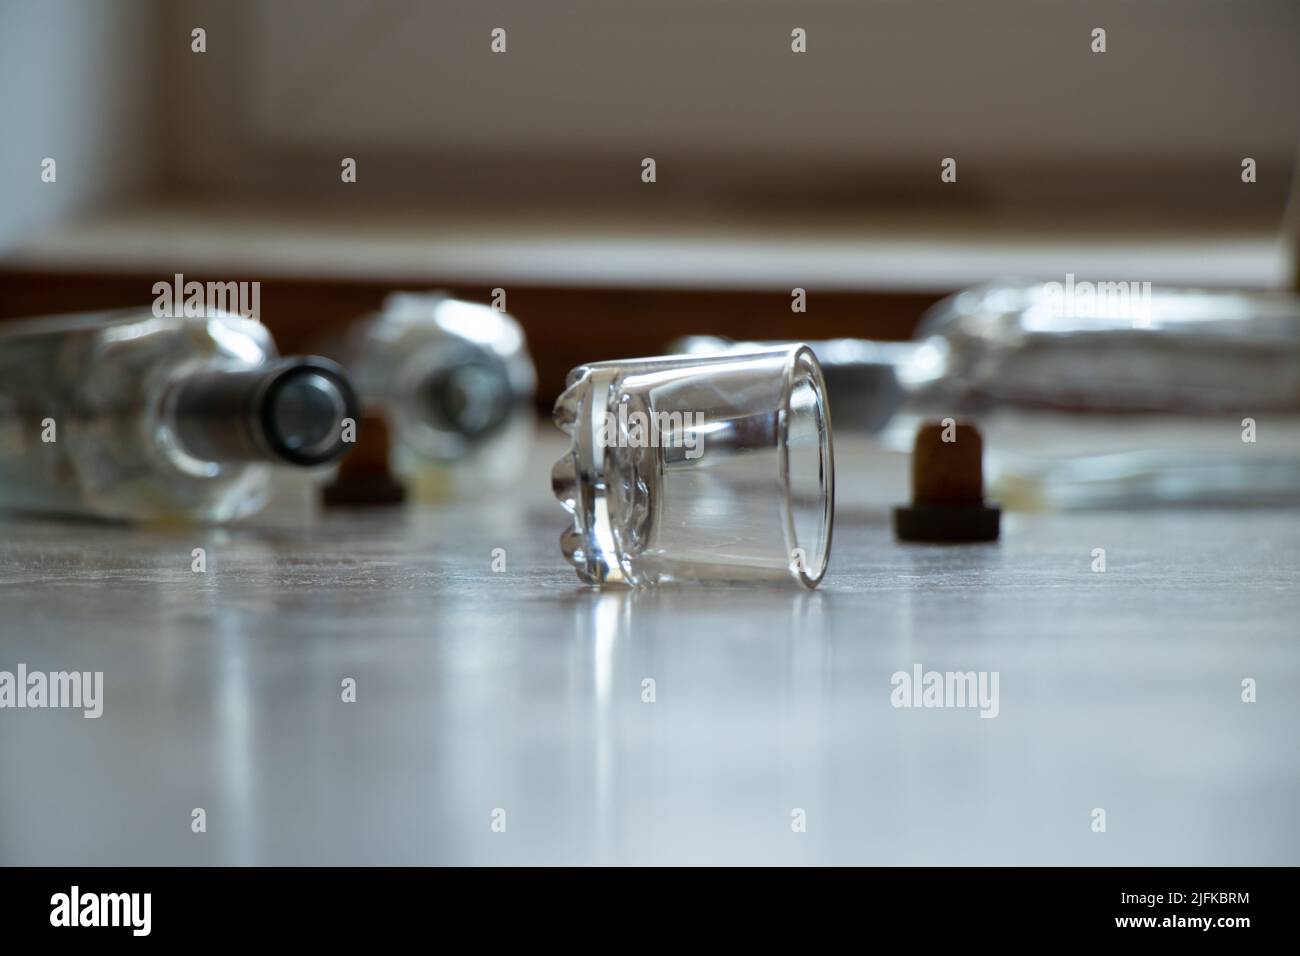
(1091, 393)
(133, 416)
(455, 383)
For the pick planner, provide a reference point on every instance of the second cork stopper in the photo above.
(947, 487)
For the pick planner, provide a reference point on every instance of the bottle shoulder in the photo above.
(87, 336)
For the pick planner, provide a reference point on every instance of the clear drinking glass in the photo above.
(685, 469)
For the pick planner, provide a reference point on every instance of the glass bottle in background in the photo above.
(1115, 394)
(128, 415)
(455, 384)
(1092, 394)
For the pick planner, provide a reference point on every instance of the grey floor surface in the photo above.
(520, 691)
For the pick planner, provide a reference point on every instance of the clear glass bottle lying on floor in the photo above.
(130, 416)
(686, 470)
(455, 383)
(1092, 394)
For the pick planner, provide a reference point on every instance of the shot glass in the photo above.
(698, 469)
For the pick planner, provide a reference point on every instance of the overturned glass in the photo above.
(130, 415)
(698, 470)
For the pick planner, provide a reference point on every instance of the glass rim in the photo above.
(799, 354)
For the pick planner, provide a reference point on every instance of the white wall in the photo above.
(77, 80)
(710, 87)
(110, 89)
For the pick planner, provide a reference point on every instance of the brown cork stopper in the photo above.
(364, 477)
(948, 464)
(947, 488)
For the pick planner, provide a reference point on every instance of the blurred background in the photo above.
(522, 170)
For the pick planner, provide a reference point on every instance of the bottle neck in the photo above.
(290, 411)
(471, 397)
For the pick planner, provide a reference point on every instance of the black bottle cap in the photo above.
(302, 411)
(472, 398)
